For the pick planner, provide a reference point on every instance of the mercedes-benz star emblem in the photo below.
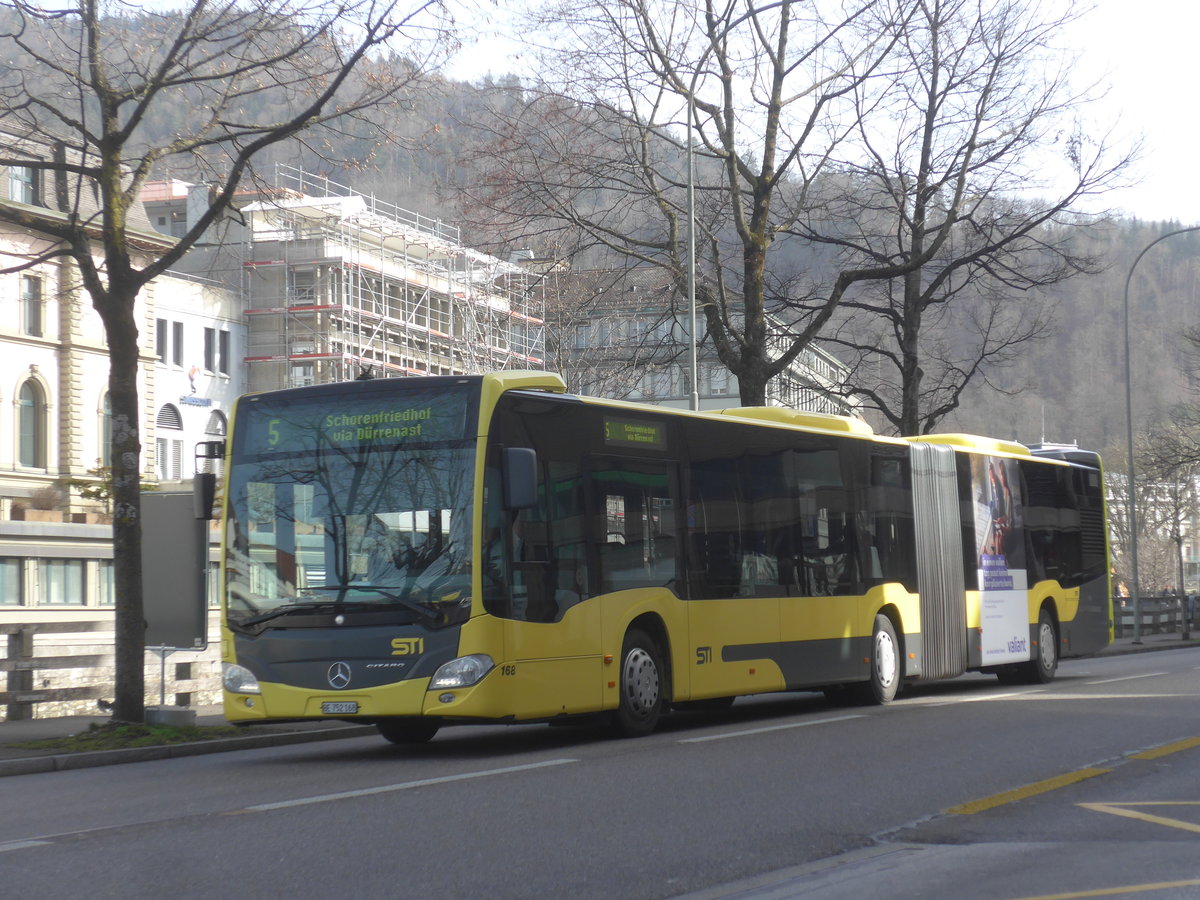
(339, 675)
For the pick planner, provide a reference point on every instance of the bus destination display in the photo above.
(635, 433)
(373, 419)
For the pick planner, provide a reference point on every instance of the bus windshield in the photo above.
(360, 508)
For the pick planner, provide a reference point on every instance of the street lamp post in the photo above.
(1135, 592)
(691, 247)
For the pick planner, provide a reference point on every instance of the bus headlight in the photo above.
(462, 672)
(238, 679)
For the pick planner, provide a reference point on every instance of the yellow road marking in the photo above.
(1115, 891)
(1167, 749)
(1029, 790)
(1051, 784)
(1122, 809)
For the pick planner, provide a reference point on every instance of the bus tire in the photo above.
(408, 731)
(886, 664)
(1041, 669)
(641, 686)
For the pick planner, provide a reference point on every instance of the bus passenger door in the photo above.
(552, 636)
(734, 589)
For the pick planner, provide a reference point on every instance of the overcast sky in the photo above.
(1148, 51)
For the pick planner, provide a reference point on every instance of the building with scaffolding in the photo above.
(337, 283)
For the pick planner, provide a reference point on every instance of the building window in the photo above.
(10, 582)
(161, 340)
(32, 314)
(105, 586)
(106, 431)
(60, 582)
(23, 184)
(210, 349)
(32, 425)
(177, 344)
(718, 381)
(216, 351)
(168, 455)
(302, 375)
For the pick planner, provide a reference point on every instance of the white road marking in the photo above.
(21, 845)
(1033, 695)
(1128, 678)
(403, 786)
(951, 701)
(748, 731)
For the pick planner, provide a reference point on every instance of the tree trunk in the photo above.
(753, 369)
(130, 627)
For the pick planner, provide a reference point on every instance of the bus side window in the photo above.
(716, 522)
(892, 551)
(635, 541)
(567, 547)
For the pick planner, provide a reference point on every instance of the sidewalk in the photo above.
(16, 760)
(22, 761)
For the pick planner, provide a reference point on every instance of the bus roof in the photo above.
(784, 416)
(973, 442)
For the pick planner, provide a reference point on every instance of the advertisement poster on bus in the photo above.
(1000, 542)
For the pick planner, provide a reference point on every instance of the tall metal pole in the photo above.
(1134, 589)
(691, 249)
(1130, 501)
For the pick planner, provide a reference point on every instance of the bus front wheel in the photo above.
(408, 731)
(641, 686)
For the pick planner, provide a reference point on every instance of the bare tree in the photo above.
(601, 148)
(962, 151)
(1167, 503)
(237, 78)
(612, 332)
(1168, 461)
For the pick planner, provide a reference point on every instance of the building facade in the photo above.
(56, 570)
(310, 282)
(623, 334)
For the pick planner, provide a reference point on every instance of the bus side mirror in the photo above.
(210, 450)
(204, 493)
(519, 467)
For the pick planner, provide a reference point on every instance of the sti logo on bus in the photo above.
(408, 646)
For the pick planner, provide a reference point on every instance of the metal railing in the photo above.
(1160, 615)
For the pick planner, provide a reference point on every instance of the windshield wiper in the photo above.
(430, 615)
(310, 606)
(424, 612)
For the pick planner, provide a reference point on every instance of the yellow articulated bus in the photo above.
(419, 552)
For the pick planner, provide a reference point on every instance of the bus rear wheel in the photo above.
(408, 731)
(885, 665)
(1041, 669)
(641, 686)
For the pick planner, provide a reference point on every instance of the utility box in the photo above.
(174, 568)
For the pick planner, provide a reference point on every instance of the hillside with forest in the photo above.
(1070, 387)
(1067, 387)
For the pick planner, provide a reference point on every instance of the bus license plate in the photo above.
(339, 707)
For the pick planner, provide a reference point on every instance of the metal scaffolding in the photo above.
(336, 282)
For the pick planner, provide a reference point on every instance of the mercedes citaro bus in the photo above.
(424, 551)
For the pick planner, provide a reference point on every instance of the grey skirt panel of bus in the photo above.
(939, 561)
